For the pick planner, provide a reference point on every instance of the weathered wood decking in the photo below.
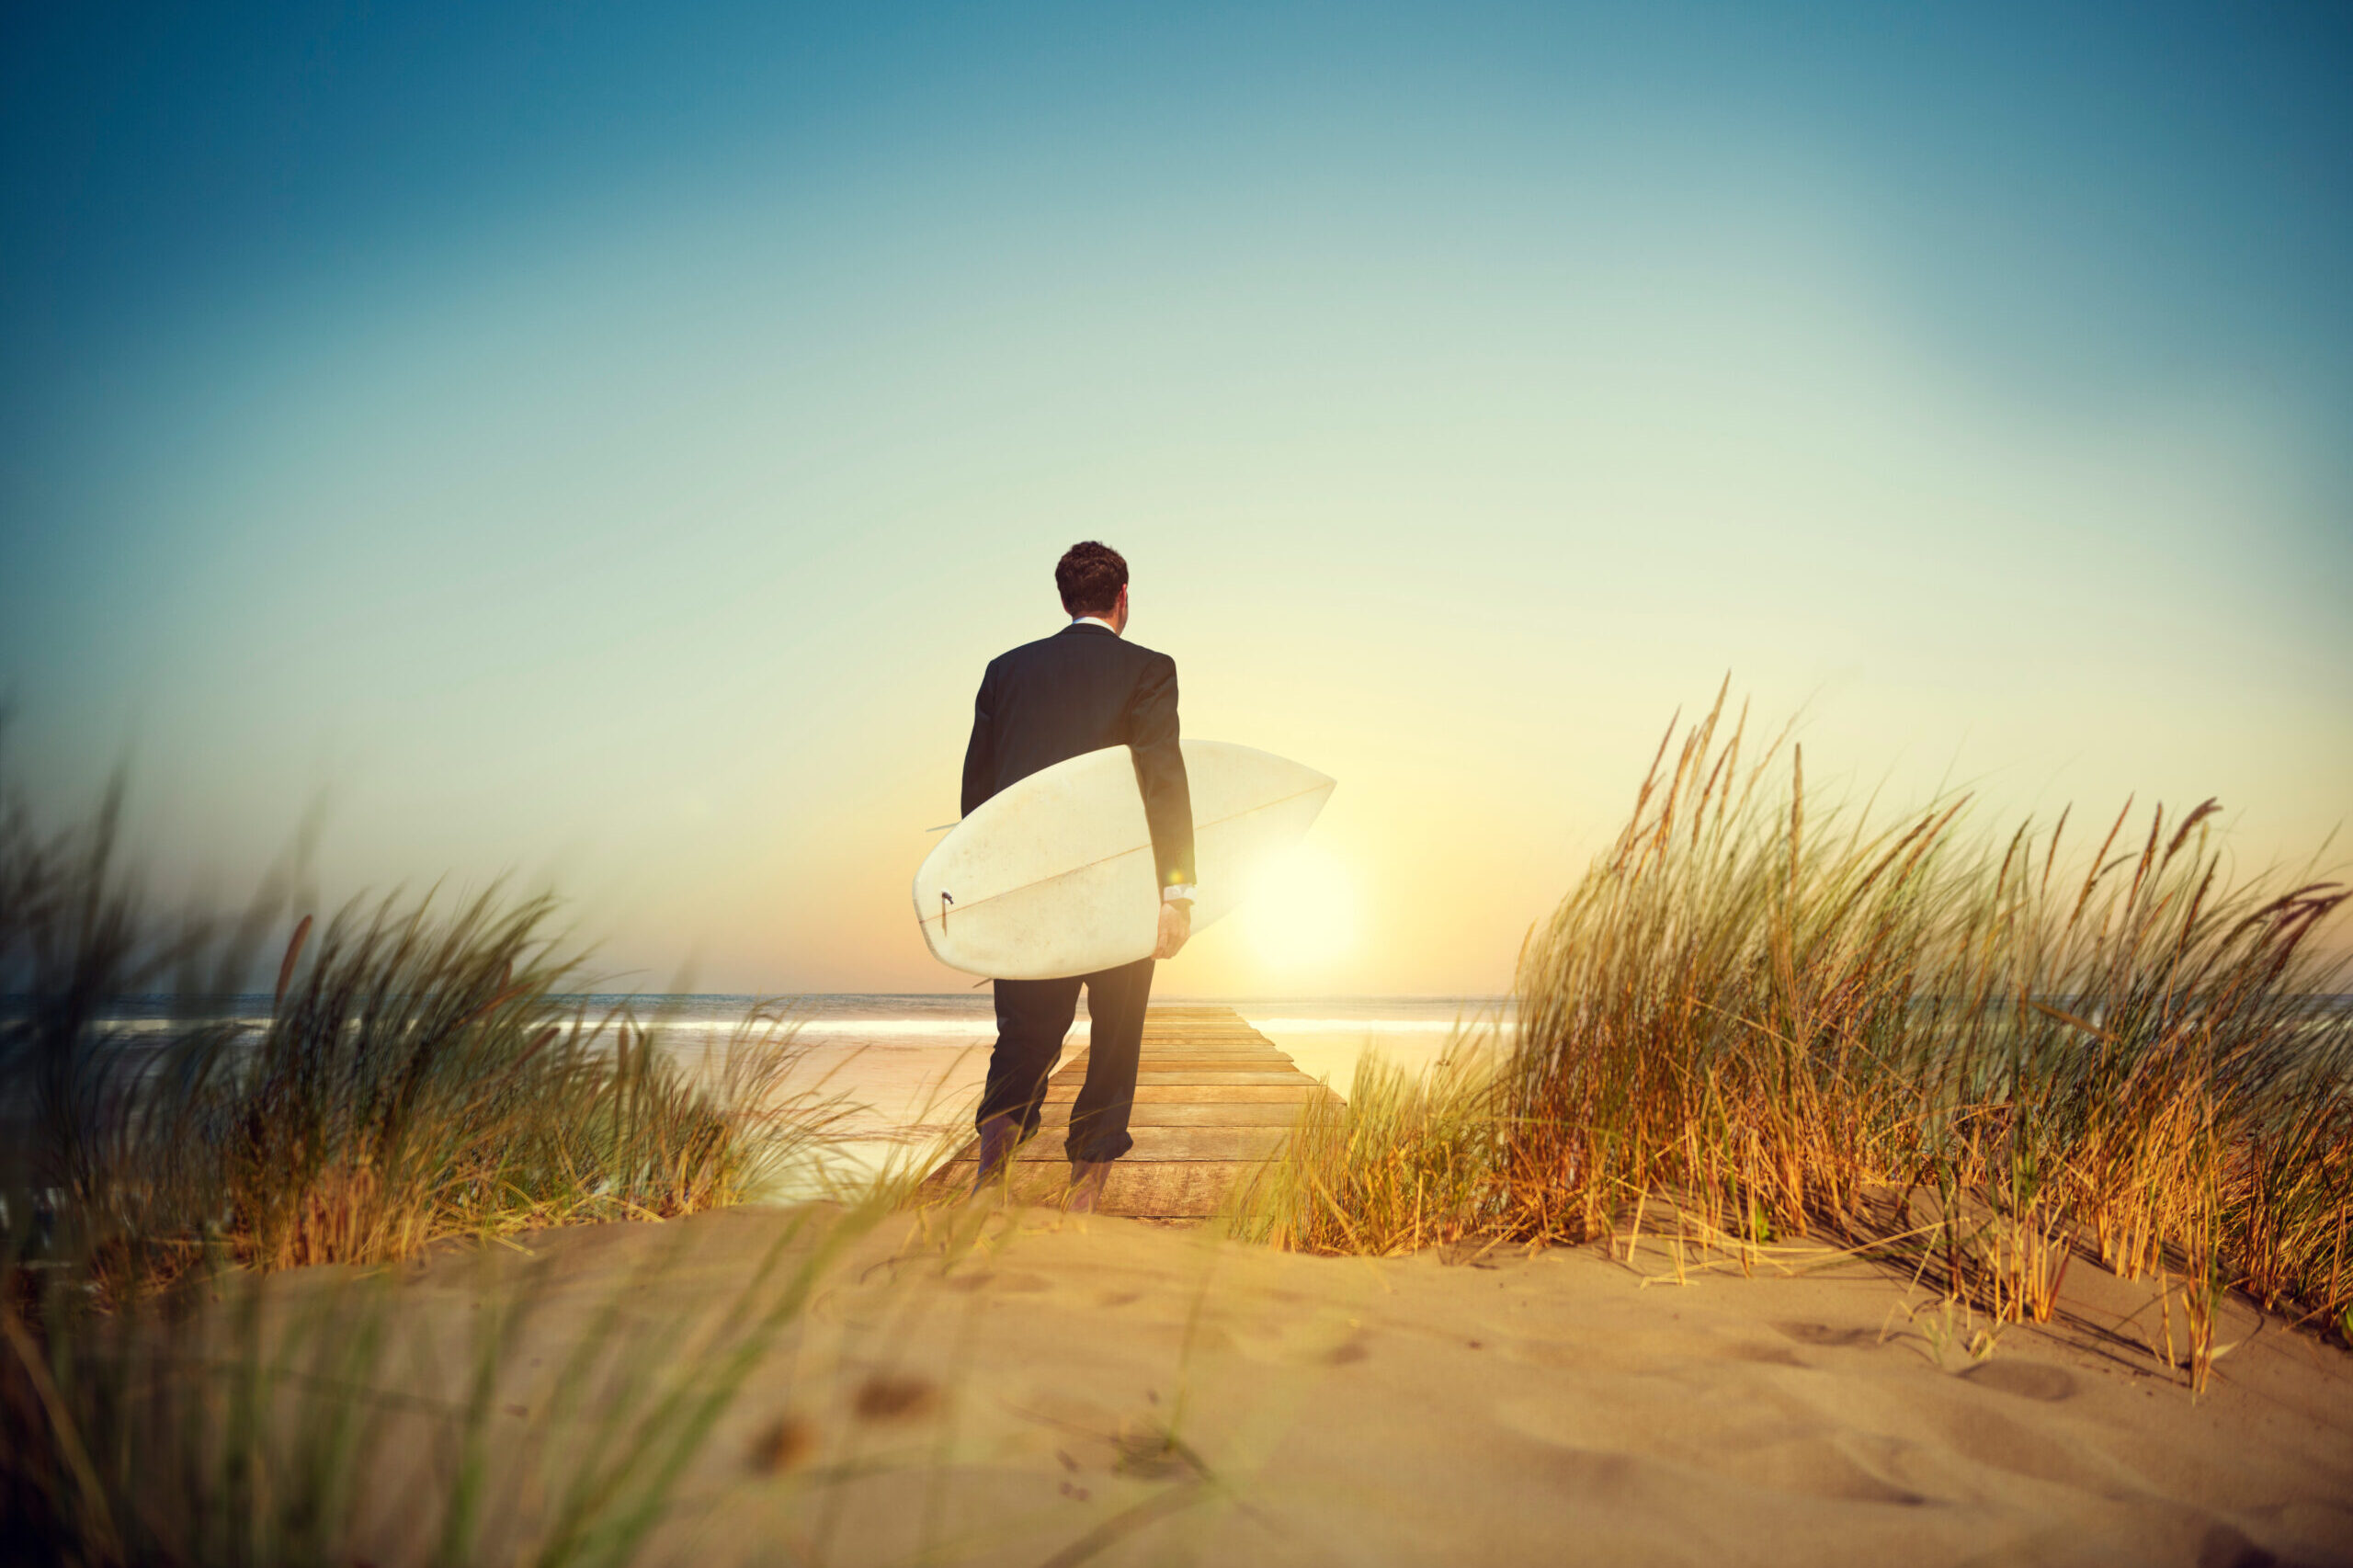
(1213, 1099)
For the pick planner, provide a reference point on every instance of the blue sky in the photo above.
(606, 443)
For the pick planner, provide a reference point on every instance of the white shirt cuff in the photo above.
(1182, 890)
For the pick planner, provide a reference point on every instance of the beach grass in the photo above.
(1403, 1163)
(423, 1070)
(1760, 1017)
(316, 1416)
(1773, 1016)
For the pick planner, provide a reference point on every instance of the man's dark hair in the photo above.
(1090, 576)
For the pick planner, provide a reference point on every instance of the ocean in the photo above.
(909, 1067)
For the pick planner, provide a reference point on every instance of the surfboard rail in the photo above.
(1055, 875)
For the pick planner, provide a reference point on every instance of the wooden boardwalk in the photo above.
(1213, 1099)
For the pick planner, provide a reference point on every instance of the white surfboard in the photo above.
(1054, 875)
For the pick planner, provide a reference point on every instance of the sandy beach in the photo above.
(1057, 1390)
(1148, 785)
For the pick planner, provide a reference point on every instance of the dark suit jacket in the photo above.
(1083, 688)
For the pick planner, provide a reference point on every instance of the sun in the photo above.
(1300, 909)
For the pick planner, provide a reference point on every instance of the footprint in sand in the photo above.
(1809, 1466)
(1797, 1465)
(1021, 1284)
(1550, 1353)
(1330, 1341)
(1762, 1355)
(2027, 1379)
(1003, 1284)
(2225, 1547)
(1827, 1337)
(884, 1397)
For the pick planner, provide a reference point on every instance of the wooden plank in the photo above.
(1210, 1048)
(1287, 1075)
(1203, 1041)
(1298, 1092)
(1262, 1114)
(1167, 1060)
(1153, 1076)
(1192, 1040)
(1215, 1099)
(1200, 1048)
(1172, 1143)
(1164, 1189)
(1150, 1113)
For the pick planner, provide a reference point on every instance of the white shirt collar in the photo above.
(1095, 621)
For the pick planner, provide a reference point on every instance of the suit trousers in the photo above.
(1032, 1016)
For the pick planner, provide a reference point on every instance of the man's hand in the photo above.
(1176, 928)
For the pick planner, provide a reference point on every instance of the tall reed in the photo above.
(1400, 1166)
(1785, 1011)
(416, 1072)
(1775, 1014)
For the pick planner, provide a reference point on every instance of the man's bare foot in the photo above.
(1086, 1177)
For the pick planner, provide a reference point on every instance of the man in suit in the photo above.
(1083, 688)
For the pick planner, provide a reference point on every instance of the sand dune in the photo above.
(1126, 1393)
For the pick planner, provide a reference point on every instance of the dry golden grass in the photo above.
(419, 1072)
(1777, 1018)
(1398, 1167)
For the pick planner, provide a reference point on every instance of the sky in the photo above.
(602, 446)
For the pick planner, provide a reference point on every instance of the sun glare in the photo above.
(1300, 909)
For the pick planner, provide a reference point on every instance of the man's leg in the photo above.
(1032, 1016)
(1098, 1122)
